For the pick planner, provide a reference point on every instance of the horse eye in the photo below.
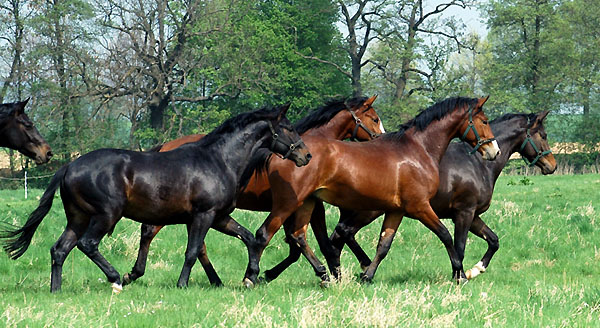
(376, 120)
(484, 122)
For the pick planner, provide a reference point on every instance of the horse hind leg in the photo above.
(480, 229)
(197, 231)
(388, 231)
(148, 232)
(59, 252)
(99, 226)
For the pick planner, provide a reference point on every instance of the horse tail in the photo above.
(16, 241)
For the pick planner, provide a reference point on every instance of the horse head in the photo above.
(19, 133)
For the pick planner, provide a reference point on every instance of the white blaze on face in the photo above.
(381, 126)
(496, 147)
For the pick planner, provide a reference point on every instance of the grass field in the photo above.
(546, 273)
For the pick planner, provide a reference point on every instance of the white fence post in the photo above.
(25, 184)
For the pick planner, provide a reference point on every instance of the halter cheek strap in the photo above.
(471, 126)
(360, 124)
(540, 154)
(275, 140)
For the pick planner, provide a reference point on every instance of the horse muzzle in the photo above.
(301, 159)
(490, 150)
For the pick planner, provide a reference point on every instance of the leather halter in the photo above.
(359, 124)
(471, 126)
(290, 146)
(539, 152)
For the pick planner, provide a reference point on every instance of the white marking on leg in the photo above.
(475, 271)
(116, 288)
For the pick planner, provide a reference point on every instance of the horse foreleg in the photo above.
(462, 224)
(197, 230)
(388, 231)
(148, 232)
(480, 229)
(427, 216)
(263, 236)
(293, 256)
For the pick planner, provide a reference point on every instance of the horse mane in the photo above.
(325, 113)
(235, 123)
(434, 112)
(258, 163)
(530, 118)
(5, 110)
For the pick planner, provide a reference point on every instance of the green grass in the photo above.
(546, 273)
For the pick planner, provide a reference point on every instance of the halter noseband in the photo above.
(359, 124)
(471, 126)
(275, 139)
(539, 153)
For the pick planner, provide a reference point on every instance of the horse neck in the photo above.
(3, 133)
(436, 137)
(236, 148)
(510, 135)
(339, 127)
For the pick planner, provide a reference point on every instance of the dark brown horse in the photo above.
(338, 119)
(464, 193)
(18, 132)
(196, 185)
(397, 173)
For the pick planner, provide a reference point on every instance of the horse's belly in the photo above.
(157, 212)
(349, 199)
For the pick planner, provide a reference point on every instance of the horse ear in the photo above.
(19, 107)
(482, 101)
(370, 101)
(542, 116)
(283, 110)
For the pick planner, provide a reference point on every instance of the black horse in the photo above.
(18, 132)
(196, 185)
(465, 192)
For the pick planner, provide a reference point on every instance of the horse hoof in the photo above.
(364, 279)
(116, 288)
(248, 283)
(325, 284)
(127, 279)
(462, 281)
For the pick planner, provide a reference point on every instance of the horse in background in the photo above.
(19, 133)
(196, 185)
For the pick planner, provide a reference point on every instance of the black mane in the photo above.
(530, 118)
(325, 113)
(434, 113)
(239, 121)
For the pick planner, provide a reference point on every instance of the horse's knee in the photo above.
(58, 255)
(493, 241)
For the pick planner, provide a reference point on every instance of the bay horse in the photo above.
(195, 185)
(464, 193)
(354, 118)
(397, 173)
(19, 133)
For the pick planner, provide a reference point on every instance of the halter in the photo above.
(291, 146)
(540, 154)
(359, 124)
(471, 126)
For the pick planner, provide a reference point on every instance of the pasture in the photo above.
(545, 273)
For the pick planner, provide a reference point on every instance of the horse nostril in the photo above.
(49, 154)
(308, 156)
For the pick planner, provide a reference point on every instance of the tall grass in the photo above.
(545, 273)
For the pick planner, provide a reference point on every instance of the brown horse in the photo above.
(338, 119)
(397, 173)
(18, 132)
(464, 193)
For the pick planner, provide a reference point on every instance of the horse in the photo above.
(18, 132)
(195, 185)
(397, 172)
(353, 118)
(464, 193)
